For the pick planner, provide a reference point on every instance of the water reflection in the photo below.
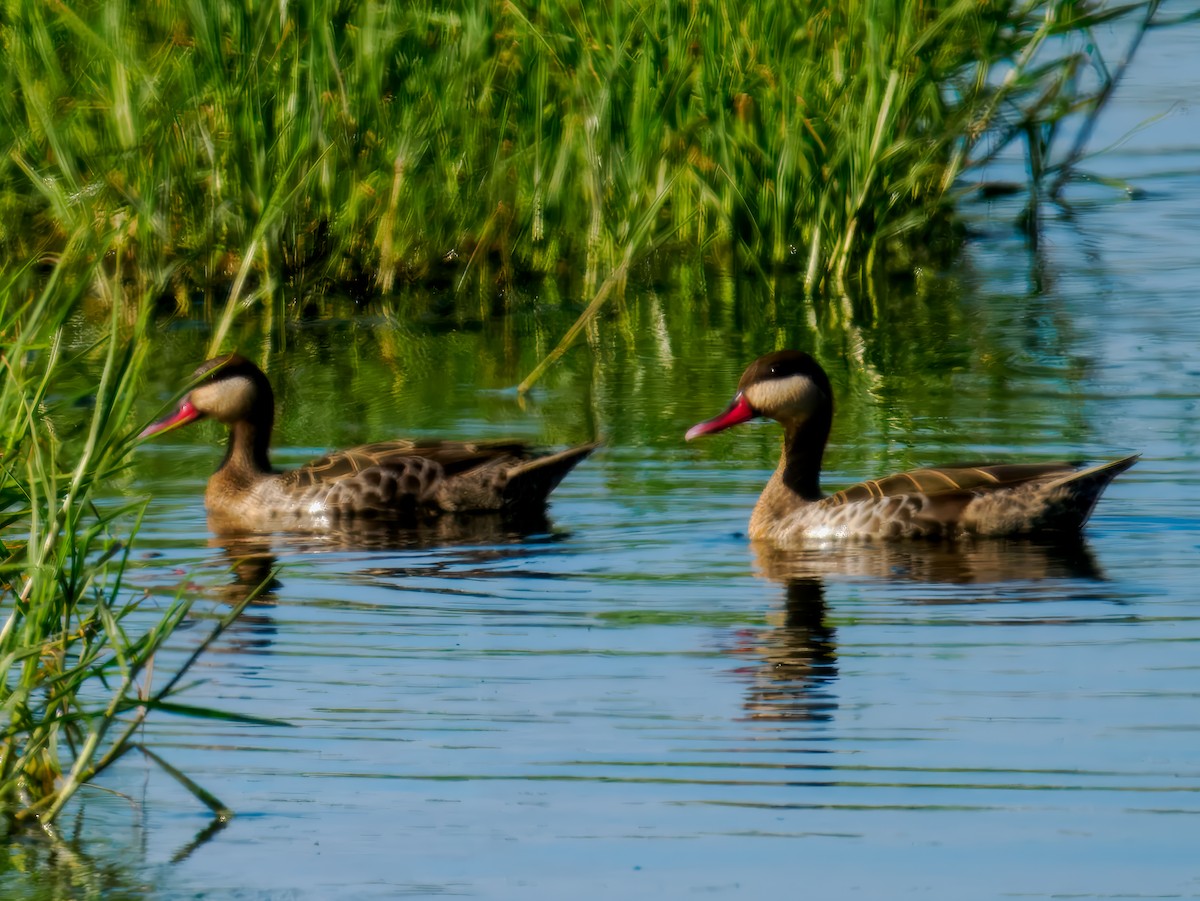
(33, 865)
(367, 534)
(797, 654)
(464, 547)
(799, 658)
(83, 856)
(981, 562)
(253, 571)
(252, 567)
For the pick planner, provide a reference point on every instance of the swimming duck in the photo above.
(402, 482)
(992, 500)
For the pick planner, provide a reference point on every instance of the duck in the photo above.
(991, 500)
(400, 482)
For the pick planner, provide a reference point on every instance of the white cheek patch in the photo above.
(227, 400)
(794, 397)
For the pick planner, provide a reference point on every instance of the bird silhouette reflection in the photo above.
(797, 666)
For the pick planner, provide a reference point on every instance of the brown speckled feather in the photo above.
(451, 457)
(406, 479)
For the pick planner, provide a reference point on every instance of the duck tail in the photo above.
(1083, 487)
(1099, 475)
(530, 483)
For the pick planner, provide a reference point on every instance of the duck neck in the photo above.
(246, 454)
(803, 448)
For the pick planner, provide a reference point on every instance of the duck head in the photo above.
(229, 389)
(788, 386)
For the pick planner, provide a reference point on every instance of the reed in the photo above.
(77, 646)
(269, 152)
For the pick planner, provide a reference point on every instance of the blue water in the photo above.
(636, 703)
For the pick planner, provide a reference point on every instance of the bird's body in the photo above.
(989, 500)
(401, 482)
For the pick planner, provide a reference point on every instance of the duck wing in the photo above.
(405, 478)
(949, 482)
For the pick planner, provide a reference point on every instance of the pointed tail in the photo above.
(530, 483)
(1083, 488)
(1099, 475)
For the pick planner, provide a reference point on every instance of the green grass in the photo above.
(77, 646)
(236, 152)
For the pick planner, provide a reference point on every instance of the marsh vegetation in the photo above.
(270, 153)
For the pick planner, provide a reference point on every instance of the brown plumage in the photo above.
(402, 482)
(992, 500)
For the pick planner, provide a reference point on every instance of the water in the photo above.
(637, 701)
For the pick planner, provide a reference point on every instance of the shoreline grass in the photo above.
(77, 645)
(263, 153)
